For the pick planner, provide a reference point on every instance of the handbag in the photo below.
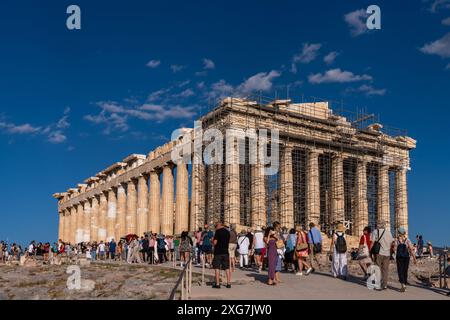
(280, 244)
(376, 247)
(301, 246)
(363, 251)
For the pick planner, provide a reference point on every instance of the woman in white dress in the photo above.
(338, 250)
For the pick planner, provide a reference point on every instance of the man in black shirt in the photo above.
(221, 259)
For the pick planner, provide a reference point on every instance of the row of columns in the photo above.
(135, 207)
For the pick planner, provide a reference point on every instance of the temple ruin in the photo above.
(332, 169)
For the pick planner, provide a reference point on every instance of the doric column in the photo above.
(112, 215)
(142, 210)
(287, 189)
(131, 207)
(154, 221)
(73, 224)
(182, 199)
(313, 189)
(362, 213)
(232, 184)
(258, 197)
(66, 227)
(79, 234)
(384, 210)
(87, 221)
(401, 200)
(197, 217)
(60, 224)
(120, 228)
(94, 218)
(337, 188)
(167, 201)
(102, 217)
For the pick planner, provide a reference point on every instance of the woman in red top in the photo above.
(364, 250)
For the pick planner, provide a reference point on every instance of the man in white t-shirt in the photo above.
(101, 250)
(31, 248)
(382, 259)
(259, 246)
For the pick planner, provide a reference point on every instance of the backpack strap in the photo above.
(312, 237)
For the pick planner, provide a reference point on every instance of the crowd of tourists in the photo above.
(274, 249)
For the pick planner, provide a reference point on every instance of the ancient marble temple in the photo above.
(331, 169)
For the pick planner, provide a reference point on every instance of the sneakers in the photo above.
(309, 271)
(216, 286)
(299, 274)
(228, 286)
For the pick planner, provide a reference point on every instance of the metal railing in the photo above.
(185, 281)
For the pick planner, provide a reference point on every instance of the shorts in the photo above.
(259, 252)
(232, 249)
(221, 261)
(207, 249)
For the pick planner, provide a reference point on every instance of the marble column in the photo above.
(66, 231)
(87, 221)
(79, 234)
(258, 196)
(73, 224)
(120, 229)
(61, 224)
(131, 207)
(384, 210)
(167, 200)
(94, 218)
(142, 202)
(197, 197)
(362, 213)
(232, 184)
(401, 200)
(182, 199)
(154, 221)
(313, 189)
(103, 212)
(337, 188)
(287, 189)
(112, 215)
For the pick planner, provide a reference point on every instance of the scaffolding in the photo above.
(232, 190)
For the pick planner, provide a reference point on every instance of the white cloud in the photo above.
(356, 20)
(176, 68)
(446, 21)
(220, 89)
(208, 64)
(162, 113)
(262, 81)
(437, 5)
(19, 129)
(153, 64)
(336, 75)
(57, 137)
(329, 58)
(440, 47)
(369, 90)
(309, 53)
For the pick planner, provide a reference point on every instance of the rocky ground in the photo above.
(99, 281)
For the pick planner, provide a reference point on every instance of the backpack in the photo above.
(341, 244)
(161, 244)
(376, 247)
(289, 244)
(402, 250)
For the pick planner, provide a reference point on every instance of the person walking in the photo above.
(420, 244)
(338, 251)
(259, 246)
(365, 245)
(185, 247)
(243, 244)
(207, 237)
(112, 249)
(315, 245)
(233, 246)
(404, 250)
(301, 251)
(381, 251)
(101, 250)
(221, 261)
(290, 258)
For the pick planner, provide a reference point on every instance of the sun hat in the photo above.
(402, 231)
(340, 227)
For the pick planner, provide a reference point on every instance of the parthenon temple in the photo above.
(332, 169)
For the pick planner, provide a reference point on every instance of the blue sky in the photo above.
(74, 102)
